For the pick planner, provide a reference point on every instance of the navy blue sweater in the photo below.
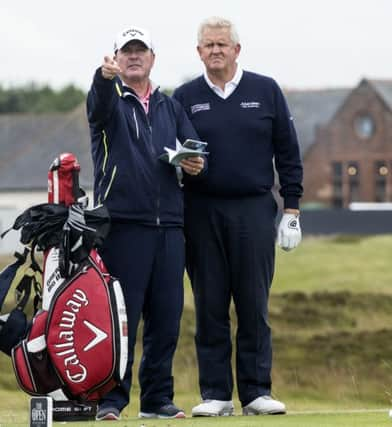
(126, 142)
(245, 133)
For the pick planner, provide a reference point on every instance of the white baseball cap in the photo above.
(132, 33)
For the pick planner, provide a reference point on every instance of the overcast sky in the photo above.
(301, 43)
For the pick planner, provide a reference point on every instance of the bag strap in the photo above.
(7, 276)
(32, 279)
(23, 277)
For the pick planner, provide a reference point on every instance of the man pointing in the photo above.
(131, 122)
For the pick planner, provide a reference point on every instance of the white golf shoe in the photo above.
(213, 408)
(264, 405)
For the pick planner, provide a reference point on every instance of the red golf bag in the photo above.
(76, 345)
(75, 349)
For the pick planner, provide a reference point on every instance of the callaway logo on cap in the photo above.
(132, 33)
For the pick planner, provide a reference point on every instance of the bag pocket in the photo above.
(33, 368)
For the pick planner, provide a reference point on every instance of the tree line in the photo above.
(33, 98)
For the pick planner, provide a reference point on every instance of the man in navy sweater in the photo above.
(130, 124)
(230, 217)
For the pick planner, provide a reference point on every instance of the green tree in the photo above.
(39, 99)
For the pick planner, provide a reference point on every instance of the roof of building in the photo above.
(384, 89)
(313, 108)
(30, 142)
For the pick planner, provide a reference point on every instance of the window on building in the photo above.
(353, 182)
(364, 126)
(337, 184)
(381, 172)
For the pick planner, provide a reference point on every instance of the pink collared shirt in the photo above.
(145, 99)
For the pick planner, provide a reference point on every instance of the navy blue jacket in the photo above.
(126, 142)
(246, 133)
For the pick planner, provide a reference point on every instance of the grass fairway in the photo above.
(331, 318)
(375, 418)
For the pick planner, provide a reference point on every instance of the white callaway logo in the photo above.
(99, 336)
(253, 104)
(200, 107)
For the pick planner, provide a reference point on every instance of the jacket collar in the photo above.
(123, 90)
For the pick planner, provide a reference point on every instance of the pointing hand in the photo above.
(110, 68)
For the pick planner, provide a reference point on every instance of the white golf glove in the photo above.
(289, 232)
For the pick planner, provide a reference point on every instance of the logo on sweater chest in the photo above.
(200, 107)
(250, 104)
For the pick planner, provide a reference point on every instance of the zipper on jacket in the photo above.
(158, 206)
(136, 123)
(158, 201)
(150, 129)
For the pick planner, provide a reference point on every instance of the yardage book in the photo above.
(41, 412)
(190, 148)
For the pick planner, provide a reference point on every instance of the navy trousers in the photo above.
(149, 262)
(230, 254)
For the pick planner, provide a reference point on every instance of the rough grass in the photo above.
(333, 264)
(330, 313)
